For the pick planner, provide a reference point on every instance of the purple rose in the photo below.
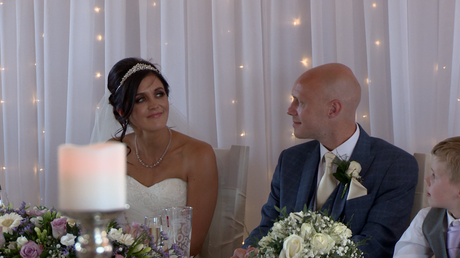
(2, 237)
(31, 250)
(59, 227)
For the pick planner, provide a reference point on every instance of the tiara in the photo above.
(134, 69)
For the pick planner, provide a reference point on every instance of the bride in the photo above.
(165, 167)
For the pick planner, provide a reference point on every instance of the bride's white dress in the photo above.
(151, 201)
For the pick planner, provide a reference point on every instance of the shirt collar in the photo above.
(451, 221)
(345, 149)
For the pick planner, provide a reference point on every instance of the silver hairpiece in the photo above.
(134, 69)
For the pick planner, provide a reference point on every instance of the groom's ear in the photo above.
(334, 108)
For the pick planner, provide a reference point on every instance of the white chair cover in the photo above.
(424, 169)
(227, 227)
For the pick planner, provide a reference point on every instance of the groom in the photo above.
(325, 99)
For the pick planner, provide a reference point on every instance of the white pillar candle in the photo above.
(92, 177)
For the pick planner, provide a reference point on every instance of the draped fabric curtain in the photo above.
(231, 65)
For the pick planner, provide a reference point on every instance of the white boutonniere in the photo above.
(346, 171)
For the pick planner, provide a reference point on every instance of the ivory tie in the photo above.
(453, 240)
(327, 183)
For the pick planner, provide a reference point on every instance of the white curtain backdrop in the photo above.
(231, 65)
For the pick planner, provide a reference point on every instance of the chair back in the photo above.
(227, 226)
(424, 169)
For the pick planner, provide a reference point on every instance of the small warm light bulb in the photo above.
(43, 131)
(293, 134)
(4, 168)
(368, 81)
(364, 116)
(41, 169)
(228, 31)
(233, 101)
(97, 107)
(99, 37)
(457, 100)
(98, 75)
(304, 62)
(377, 42)
(97, 9)
(242, 134)
(166, 43)
(443, 67)
(241, 66)
(154, 4)
(296, 22)
(1, 101)
(37, 100)
(43, 35)
(35, 64)
(3, 68)
(374, 5)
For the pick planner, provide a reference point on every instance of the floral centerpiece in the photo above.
(43, 232)
(307, 234)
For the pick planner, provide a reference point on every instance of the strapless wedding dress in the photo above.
(151, 201)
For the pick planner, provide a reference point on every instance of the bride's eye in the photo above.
(160, 94)
(139, 100)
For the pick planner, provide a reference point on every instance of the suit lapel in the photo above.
(362, 152)
(307, 186)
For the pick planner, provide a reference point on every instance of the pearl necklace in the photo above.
(161, 158)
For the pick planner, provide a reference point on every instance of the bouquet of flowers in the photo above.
(307, 234)
(43, 232)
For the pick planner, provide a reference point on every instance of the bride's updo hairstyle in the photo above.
(123, 80)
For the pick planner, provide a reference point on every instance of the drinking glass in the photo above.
(154, 225)
(177, 223)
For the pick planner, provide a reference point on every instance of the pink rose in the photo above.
(35, 212)
(133, 229)
(2, 237)
(59, 227)
(31, 250)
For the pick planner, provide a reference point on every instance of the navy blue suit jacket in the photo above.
(389, 174)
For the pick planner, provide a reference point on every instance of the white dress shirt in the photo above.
(413, 242)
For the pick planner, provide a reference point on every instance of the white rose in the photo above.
(68, 240)
(322, 243)
(354, 169)
(37, 221)
(306, 230)
(115, 234)
(292, 247)
(21, 241)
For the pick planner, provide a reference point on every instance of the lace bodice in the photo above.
(150, 201)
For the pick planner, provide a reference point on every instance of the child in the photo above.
(433, 227)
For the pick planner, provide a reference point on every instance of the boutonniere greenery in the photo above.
(346, 171)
